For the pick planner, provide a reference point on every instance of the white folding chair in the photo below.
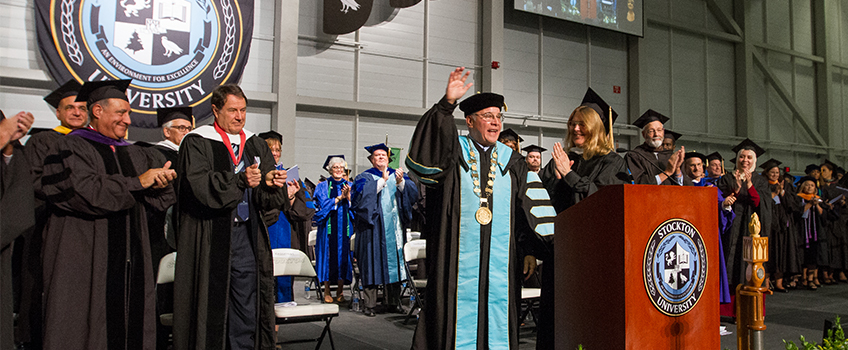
(412, 251)
(167, 269)
(412, 235)
(295, 263)
(530, 298)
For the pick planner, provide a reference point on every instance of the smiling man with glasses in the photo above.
(485, 212)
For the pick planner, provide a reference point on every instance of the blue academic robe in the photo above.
(280, 235)
(380, 219)
(335, 225)
(725, 217)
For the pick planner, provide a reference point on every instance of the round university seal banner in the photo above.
(675, 267)
(175, 51)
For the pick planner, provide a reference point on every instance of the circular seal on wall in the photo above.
(675, 267)
(175, 51)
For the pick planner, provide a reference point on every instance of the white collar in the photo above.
(208, 132)
(169, 145)
(577, 150)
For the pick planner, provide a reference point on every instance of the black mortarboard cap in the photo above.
(534, 148)
(749, 145)
(649, 116)
(164, 115)
(70, 88)
(714, 156)
(310, 186)
(771, 163)
(807, 178)
(594, 101)
(694, 154)
(327, 162)
(381, 146)
(271, 134)
(509, 134)
(840, 170)
(672, 135)
(94, 91)
(733, 161)
(832, 165)
(483, 100)
(812, 167)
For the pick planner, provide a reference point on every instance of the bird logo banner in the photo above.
(175, 51)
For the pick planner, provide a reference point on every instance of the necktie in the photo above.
(243, 210)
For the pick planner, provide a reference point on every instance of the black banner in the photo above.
(176, 51)
(345, 16)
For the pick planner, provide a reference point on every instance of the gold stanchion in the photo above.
(750, 318)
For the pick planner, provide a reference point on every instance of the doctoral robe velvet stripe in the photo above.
(436, 157)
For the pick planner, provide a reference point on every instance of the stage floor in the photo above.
(788, 315)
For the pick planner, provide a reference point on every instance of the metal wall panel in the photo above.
(721, 89)
(778, 31)
(802, 29)
(455, 31)
(320, 135)
(689, 85)
(390, 81)
(564, 65)
(521, 68)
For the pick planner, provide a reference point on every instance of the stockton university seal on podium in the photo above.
(675, 267)
(175, 51)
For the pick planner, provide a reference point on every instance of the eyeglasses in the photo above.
(338, 167)
(490, 116)
(182, 128)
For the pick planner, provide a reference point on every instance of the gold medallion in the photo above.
(483, 215)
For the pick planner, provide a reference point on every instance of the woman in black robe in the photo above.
(569, 178)
(810, 217)
(836, 225)
(748, 188)
(784, 262)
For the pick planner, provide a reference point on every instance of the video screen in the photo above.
(619, 15)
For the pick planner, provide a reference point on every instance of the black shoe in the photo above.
(781, 290)
(370, 312)
(397, 309)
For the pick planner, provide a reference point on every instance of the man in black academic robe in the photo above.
(649, 163)
(72, 115)
(16, 214)
(175, 122)
(473, 288)
(98, 280)
(224, 283)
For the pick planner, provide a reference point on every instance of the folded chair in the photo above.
(292, 262)
(412, 251)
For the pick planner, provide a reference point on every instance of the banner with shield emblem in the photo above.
(175, 51)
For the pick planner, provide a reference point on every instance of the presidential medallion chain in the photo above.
(484, 214)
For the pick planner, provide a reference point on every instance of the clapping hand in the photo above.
(346, 192)
(276, 178)
(456, 85)
(399, 175)
(292, 188)
(561, 160)
(674, 162)
(158, 177)
(253, 175)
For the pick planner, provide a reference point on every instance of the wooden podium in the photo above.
(602, 299)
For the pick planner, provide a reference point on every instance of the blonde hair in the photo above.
(273, 141)
(597, 142)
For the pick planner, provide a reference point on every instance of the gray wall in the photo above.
(698, 63)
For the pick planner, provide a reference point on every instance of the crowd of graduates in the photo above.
(219, 195)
